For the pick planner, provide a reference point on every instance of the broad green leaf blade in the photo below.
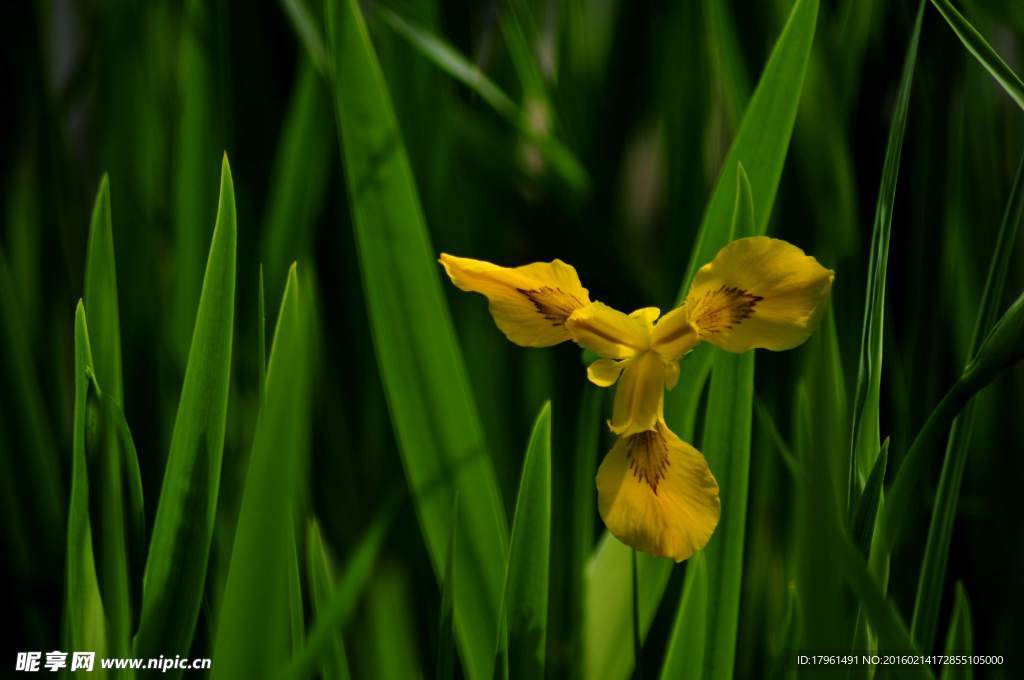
(320, 576)
(762, 140)
(761, 144)
(85, 624)
(101, 296)
(302, 171)
(445, 669)
(684, 657)
(866, 435)
(340, 602)
(435, 421)
(264, 549)
(180, 543)
(960, 638)
(982, 51)
(940, 531)
(526, 580)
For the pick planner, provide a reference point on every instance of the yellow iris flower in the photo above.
(655, 491)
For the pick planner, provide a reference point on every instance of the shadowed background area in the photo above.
(392, 429)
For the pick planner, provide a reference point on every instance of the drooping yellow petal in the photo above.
(608, 332)
(674, 335)
(656, 493)
(638, 396)
(604, 372)
(530, 304)
(758, 292)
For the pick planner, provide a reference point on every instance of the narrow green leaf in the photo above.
(893, 636)
(1003, 347)
(424, 377)
(264, 548)
(581, 507)
(866, 509)
(446, 618)
(101, 296)
(763, 138)
(300, 176)
(387, 631)
(684, 657)
(866, 435)
(261, 340)
(727, 447)
(608, 605)
(960, 638)
(180, 544)
(116, 515)
(638, 645)
(305, 26)
(195, 171)
(85, 624)
(726, 444)
(340, 602)
(115, 493)
(457, 66)
(320, 575)
(452, 62)
(982, 51)
(940, 531)
(526, 577)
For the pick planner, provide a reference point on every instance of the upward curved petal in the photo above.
(656, 493)
(530, 304)
(674, 335)
(758, 292)
(608, 332)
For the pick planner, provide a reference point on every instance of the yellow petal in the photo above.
(604, 372)
(657, 494)
(531, 303)
(758, 292)
(646, 315)
(638, 397)
(607, 332)
(674, 335)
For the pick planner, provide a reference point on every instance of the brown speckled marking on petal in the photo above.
(647, 453)
(723, 309)
(554, 304)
